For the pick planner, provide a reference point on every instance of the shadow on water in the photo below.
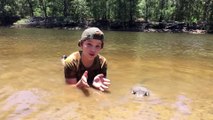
(176, 68)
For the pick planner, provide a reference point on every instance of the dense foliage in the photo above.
(111, 10)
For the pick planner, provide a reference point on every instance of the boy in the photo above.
(86, 68)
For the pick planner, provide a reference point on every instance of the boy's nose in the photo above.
(93, 48)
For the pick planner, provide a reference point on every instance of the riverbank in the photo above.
(136, 26)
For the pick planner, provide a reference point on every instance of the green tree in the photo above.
(78, 7)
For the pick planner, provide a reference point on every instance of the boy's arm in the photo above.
(70, 74)
(71, 80)
(81, 83)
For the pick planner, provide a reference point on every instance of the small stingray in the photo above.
(140, 91)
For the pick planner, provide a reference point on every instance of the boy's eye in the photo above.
(98, 46)
(89, 44)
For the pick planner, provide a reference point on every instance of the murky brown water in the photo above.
(177, 68)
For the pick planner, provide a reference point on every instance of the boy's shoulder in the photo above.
(73, 58)
(101, 57)
(102, 60)
(74, 55)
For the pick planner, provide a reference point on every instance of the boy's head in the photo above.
(92, 33)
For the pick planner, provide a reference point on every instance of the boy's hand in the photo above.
(83, 81)
(100, 82)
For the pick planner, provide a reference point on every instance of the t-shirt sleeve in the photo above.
(104, 66)
(70, 68)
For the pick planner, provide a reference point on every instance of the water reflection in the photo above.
(177, 68)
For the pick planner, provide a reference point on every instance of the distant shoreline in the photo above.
(135, 26)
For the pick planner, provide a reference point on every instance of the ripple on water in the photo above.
(67, 112)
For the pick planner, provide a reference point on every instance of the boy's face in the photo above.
(91, 48)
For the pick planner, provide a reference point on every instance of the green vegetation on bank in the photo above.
(121, 12)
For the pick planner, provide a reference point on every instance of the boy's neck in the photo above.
(86, 62)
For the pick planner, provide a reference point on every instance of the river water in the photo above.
(176, 68)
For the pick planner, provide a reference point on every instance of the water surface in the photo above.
(176, 68)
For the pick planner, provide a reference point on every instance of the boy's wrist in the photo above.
(81, 84)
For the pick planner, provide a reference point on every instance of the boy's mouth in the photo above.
(92, 54)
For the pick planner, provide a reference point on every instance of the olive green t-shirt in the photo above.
(74, 67)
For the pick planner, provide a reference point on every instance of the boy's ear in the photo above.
(102, 45)
(80, 43)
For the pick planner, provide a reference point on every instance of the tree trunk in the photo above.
(205, 10)
(31, 8)
(146, 10)
(44, 7)
(65, 8)
(162, 5)
(131, 10)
